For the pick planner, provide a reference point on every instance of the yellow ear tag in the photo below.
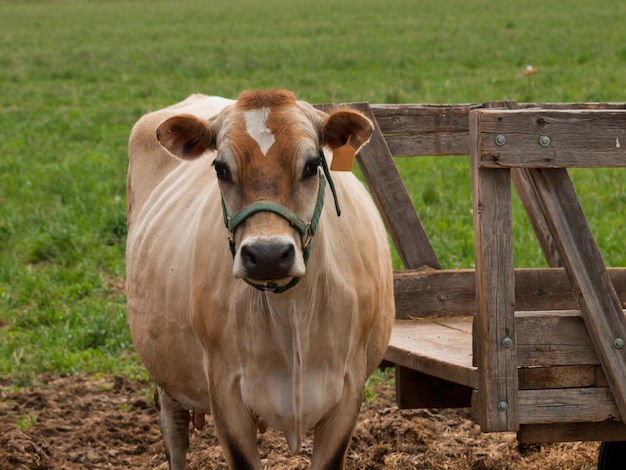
(343, 157)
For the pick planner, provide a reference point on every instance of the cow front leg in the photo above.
(236, 430)
(174, 424)
(333, 433)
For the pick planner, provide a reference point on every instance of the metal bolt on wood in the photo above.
(503, 405)
(500, 139)
(507, 342)
(618, 343)
(544, 140)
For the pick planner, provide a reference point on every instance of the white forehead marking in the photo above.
(256, 126)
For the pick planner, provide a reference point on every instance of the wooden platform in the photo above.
(438, 347)
(563, 393)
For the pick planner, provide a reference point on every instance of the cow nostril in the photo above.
(287, 259)
(249, 260)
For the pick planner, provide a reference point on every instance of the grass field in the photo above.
(75, 76)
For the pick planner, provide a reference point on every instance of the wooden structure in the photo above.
(537, 351)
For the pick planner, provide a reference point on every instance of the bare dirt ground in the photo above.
(78, 422)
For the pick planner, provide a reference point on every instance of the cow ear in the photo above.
(346, 126)
(186, 136)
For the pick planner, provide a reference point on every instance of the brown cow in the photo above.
(248, 296)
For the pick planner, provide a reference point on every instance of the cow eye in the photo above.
(222, 171)
(310, 168)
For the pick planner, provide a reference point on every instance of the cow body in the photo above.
(293, 360)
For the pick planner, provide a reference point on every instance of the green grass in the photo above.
(75, 76)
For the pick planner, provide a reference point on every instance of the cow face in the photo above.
(267, 166)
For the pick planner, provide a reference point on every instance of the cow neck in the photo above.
(306, 229)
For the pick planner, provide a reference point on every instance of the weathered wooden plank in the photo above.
(601, 380)
(598, 105)
(395, 119)
(414, 130)
(440, 144)
(424, 293)
(423, 129)
(427, 293)
(418, 390)
(434, 349)
(553, 139)
(564, 432)
(537, 378)
(418, 130)
(414, 119)
(495, 291)
(461, 324)
(593, 404)
(393, 200)
(581, 257)
(553, 338)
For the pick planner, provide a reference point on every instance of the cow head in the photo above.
(268, 168)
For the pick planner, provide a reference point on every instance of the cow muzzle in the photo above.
(268, 258)
(273, 260)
